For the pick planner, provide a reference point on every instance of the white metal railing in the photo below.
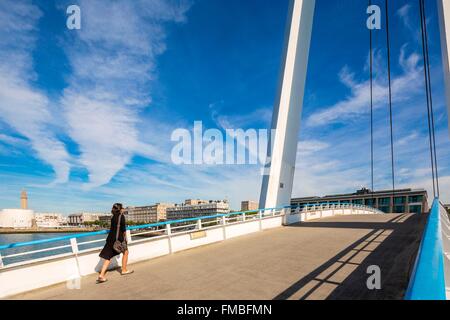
(138, 234)
(331, 206)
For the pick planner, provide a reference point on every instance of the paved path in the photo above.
(324, 259)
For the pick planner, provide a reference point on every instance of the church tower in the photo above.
(23, 200)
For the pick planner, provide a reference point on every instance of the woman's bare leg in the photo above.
(125, 261)
(104, 268)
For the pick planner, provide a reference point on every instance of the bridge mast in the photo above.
(444, 22)
(277, 183)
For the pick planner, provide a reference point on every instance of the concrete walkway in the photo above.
(324, 259)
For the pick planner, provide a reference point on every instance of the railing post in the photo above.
(243, 217)
(169, 238)
(199, 224)
(75, 250)
(224, 227)
(128, 235)
(1, 261)
(74, 245)
(260, 219)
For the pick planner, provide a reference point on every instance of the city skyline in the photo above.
(85, 126)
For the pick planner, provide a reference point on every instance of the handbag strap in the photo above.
(118, 227)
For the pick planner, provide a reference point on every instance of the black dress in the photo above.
(108, 251)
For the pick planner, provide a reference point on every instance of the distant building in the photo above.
(24, 200)
(105, 219)
(193, 202)
(403, 201)
(18, 218)
(77, 219)
(64, 221)
(148, 214)
(197, 208)
(50, 220)
(249, 205)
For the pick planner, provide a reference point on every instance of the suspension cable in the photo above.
(427, 94)
(431, 99)
(388, 43)
(431, 124)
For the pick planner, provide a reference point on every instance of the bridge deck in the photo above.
(323, 259)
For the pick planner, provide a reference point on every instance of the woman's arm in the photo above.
(123, 224)
(123, 227)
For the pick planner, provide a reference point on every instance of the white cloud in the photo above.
(113, 59)
(22, 107)
(240, 121)
(308, 147)
(357, 103)
(404, 14)
(14, 141)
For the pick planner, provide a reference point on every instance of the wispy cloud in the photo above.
(259, 117)
(357, 102)
(308, 147)
(22, 107)
(404, 14)
(113, 62)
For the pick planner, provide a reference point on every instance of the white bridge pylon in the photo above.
(276, 190)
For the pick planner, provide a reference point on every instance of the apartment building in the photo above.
(197, 208)
(148, 214)
(77, 219)
(249, 205)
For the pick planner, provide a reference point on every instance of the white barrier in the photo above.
(23, 277)
(320, 212)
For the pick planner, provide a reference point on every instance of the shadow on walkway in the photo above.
(392, 246)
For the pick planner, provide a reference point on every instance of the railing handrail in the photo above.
(164, 223)
(428, 279)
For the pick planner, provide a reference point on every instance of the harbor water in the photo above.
(26, 237)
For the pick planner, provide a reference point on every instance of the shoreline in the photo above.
(28, 231)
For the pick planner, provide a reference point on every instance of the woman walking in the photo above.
(115, 242)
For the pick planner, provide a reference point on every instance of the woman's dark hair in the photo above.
(116, 208)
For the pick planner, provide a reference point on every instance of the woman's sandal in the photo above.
(128, 272)
(101, 280)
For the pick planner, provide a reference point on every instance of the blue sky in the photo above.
(86, 116)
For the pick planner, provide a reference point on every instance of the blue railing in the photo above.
(428, 279)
